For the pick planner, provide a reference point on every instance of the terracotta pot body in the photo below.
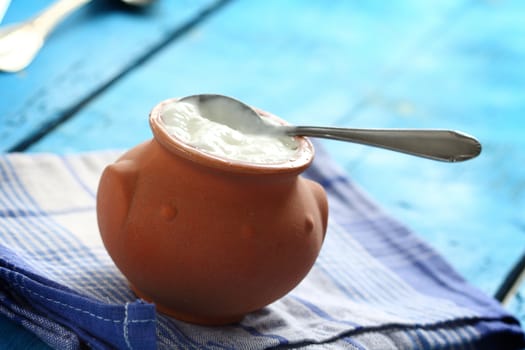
(206, 239)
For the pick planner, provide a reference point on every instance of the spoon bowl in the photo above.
(436, 144)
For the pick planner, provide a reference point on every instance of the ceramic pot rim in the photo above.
(304, 158)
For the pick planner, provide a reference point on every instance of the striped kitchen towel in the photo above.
(374, 286)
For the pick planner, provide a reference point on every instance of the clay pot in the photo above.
(205, 238)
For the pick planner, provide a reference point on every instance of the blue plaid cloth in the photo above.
(374, 286)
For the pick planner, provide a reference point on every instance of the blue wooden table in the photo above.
(438, 64)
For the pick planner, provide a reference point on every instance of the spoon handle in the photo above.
(443, 145)
(47, 20)
(20, 43)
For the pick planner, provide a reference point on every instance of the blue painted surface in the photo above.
(446, 64)
(91, 48)
(14, 336)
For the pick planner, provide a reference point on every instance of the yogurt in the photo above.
(185, 121)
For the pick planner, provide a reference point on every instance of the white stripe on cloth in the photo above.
(47, 216)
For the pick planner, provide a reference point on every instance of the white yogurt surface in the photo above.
(184, 121)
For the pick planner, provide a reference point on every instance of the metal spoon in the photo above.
(19, 43)
(443, 145)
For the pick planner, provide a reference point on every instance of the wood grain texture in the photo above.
(87, 52)
(90, 49)
(445, 64)
(366, 65)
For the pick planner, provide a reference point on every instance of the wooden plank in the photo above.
(368, 65)
(469, 77)
(92, 48)
(308, 62)
(412, 64)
